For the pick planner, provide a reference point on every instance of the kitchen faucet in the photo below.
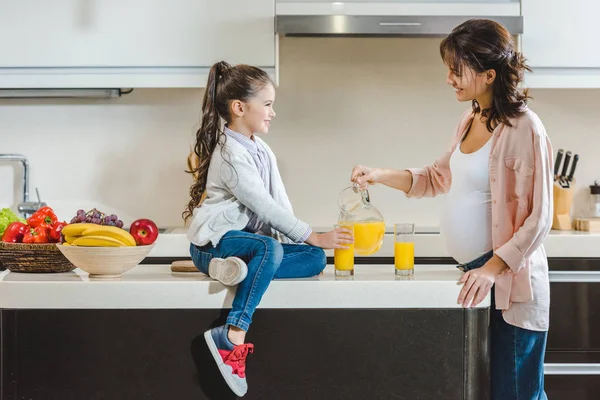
(26, 207)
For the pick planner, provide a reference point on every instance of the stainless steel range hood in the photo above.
(390, 18)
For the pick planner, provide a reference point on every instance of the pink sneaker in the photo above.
(230, 359)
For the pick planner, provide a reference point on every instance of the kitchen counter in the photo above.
(141, 335)
(155, 286)
(557, 244)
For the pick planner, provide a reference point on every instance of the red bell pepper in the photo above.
(44, 215)
(14, 232)
(36, 235)
(54, 232)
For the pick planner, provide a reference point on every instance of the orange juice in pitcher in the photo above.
(369, 227)
(368, 237)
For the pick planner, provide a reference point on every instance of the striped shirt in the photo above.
(261, 159)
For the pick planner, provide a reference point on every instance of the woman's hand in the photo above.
(478, 282)
(397, 179)
(336, 239)
(365, 176)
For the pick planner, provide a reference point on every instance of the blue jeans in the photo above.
(267, 259)
(517, 354)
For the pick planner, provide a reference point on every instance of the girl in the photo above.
(498, 176)
(243, 230)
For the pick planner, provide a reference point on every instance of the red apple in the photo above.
(144, 231)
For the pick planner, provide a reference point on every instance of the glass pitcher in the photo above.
(369, 227)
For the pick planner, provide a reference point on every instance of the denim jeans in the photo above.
(267, 259)
(517, 354)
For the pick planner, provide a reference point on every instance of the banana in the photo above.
(110, 232)
(76, 229)
(97, 241)
(70, 239)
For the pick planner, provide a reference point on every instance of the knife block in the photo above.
(563, 200)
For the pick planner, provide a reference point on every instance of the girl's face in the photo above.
(471, 85)
(258, 111)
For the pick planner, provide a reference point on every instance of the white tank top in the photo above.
(466, 221)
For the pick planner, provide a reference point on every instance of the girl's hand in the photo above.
(478, 282)
(336, 239)
(365, 176)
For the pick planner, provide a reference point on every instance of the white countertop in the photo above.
(156, 287)
(557, 244)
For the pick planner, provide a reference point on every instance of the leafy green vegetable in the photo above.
(7, 217)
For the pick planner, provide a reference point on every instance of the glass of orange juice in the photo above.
(404, 249)
(343, 259)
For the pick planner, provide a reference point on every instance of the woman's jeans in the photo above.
(267, 259)
(517, 354)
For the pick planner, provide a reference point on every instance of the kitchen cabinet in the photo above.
(373, 337)
(559, 42)
(130, 43)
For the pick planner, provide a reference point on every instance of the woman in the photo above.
(498, 178)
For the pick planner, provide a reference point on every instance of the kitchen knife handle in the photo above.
(573, 166)
(563, 174)
(559, 157)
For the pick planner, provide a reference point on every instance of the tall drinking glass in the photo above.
(404, 249)
(343, 259)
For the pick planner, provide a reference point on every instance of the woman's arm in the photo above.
(365, 176)
(415, 182)
(537, 225)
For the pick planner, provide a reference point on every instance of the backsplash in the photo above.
(380, 102)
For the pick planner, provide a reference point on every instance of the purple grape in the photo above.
(80, 212)
(119, 224)
(74, 220)
(96, 215)
(96, 221)
(110, 223)
(88, 219)
(80, 218)
(113, 218)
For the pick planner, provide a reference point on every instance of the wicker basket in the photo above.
(41, 258)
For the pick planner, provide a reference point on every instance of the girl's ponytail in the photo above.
(207, 136)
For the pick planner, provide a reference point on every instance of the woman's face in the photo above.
(470, 85)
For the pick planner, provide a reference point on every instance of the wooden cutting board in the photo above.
(587, 224)
(183, 266)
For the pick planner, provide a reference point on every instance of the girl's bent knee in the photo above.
(320, 260)
(273, 249)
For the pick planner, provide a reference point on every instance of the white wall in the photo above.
(380, 102)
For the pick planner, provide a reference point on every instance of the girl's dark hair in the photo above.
(480, 45)
(225, 84)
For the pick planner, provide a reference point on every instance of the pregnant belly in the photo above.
(466, 225)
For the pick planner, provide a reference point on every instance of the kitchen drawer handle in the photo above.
(574, 276)
(571, 369)
(400, 24)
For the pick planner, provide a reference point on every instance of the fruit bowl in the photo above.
(34, 257)
(105, 262)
